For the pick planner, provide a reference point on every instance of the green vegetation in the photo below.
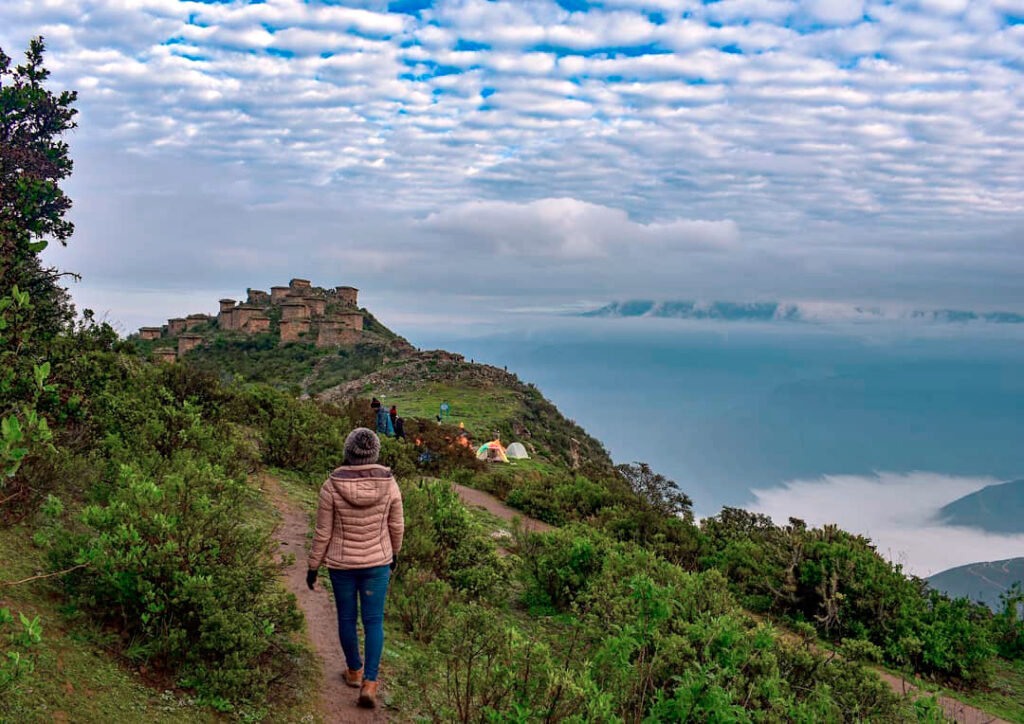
(138, 555)
(483, 414)
(299, 368)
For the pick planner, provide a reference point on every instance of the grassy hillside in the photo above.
(488, 401)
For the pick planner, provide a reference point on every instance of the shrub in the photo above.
(492, 672)
(443, 538)
(420, 602)
(1008, 625)
(562, 564)
(175, 564)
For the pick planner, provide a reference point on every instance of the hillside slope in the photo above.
(994, 508)
(985, 581)
(490, 402)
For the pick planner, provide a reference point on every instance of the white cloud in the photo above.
(830, 131)
(570, 229)
(835, 12)
(898, 512)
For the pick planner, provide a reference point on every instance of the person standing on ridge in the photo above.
(383, 423)
(358, 534)
(400, 429)
(393, 413)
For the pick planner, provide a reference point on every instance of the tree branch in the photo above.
(45, 575)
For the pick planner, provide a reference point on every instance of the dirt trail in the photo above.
(337, 700)
(957, 711)
(498, 509)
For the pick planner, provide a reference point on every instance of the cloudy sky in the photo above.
(465, 156)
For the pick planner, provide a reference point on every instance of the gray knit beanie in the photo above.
(362, 447)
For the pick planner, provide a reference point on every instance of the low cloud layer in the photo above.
(897, 511)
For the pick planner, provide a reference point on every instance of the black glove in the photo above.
(311, 578)
(394, 562)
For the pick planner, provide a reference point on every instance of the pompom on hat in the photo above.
(362, 447)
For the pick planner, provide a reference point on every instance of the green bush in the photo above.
(492, 672)
(177, 565)
(838, 582)
(563, 563)
(420, 602)
(443, 539)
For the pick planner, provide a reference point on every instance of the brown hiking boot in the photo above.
(368, 695)
(353, 677)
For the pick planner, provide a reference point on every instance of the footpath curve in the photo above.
(954, 709)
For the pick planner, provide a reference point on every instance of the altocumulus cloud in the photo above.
(863, 147)
(570, 229)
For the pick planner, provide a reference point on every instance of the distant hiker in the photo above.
(384, 426)
(400, 428)
(374, 409)
(393, 412)
(359, 529)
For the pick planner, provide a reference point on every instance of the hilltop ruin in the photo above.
(298, 312)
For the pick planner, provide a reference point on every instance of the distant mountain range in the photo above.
(794, 312)
(995, 508)
(983, 582)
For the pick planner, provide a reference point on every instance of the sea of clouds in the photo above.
(898, 511)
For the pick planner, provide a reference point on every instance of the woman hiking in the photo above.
(359, 528)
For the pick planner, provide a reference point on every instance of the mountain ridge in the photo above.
(995, 508)
(807, 312)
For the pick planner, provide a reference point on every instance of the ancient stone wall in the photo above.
(225, 318)
(164, 354)
(316, 305)
(347, 336)
(278, 294)
(299, 285)
(327, 334)
(292, 328)
(243, 314)
(294, 310)
(150, 332)
(175, 326)
(195, 320)
(258, 324)
(348, 296)
(258, 298)
(188, 342)
(351, 320)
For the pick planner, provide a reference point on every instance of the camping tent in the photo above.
(516, 451)
(492, 452)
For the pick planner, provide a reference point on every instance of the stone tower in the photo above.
(349, 296)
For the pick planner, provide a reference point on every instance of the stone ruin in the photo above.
(195, 320)
(328, 317)
(175, 326)
(291, 329)
(258, 297)
(349, 296)
(188, 342)
(165, 354)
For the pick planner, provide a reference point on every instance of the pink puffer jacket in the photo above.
(359, 521)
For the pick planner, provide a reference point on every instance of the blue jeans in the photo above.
(367, 587)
